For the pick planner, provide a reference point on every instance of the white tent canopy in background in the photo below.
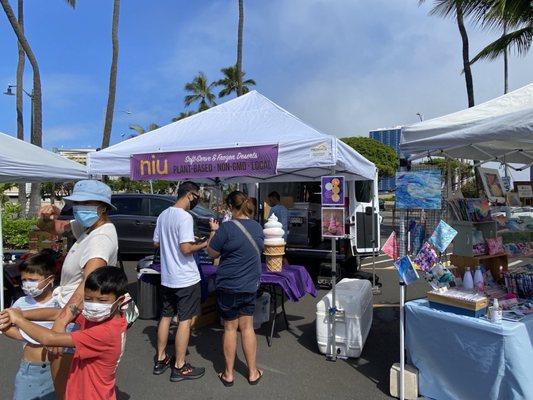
(499, 130)
(24, 162)
(250, 120)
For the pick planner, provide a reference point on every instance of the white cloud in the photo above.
(345, 66)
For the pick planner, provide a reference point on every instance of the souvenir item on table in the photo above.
(274, 243)
(406, 270)
(495, 245)
(468, 280)
(520, 282)
(479, 282)
(390, 247)
(479, 210)
(426, 257)
(513, 199)
(458, 302)
(495, 312)
(439, 276)
(442, 236)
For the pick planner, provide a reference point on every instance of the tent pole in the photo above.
(1, 263)
(402, 304)
(375, 290)
(332, 356)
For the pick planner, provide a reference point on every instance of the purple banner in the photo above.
(256, 161)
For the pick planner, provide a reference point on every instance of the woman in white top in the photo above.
(96, 246)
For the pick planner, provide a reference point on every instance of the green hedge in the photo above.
(15, 230)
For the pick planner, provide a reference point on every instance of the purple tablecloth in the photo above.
(293, 279)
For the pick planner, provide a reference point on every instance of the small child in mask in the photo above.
(99, 343)
(33, 379)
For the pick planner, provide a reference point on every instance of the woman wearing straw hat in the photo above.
(96, 246)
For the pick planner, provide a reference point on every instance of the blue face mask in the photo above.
(86, 216)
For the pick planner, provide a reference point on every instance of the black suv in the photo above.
(136, 217)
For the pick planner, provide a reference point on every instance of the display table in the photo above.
(461, 357)
(293, 281)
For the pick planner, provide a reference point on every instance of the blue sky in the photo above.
(344, 66)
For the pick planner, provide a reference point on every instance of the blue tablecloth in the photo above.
(467, 358)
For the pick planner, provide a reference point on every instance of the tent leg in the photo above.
(375, 289)
(402, 341)
(332, 356)
(1, 263)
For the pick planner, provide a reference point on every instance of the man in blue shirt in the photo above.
(274, 201)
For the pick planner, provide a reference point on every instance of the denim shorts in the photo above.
(232, 305)
(34, 382)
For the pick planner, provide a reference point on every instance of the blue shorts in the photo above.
(34, 381)
(233, 305)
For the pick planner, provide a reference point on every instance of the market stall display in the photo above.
(23, 162)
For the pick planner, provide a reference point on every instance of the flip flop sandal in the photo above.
(253, 383)
(225, 382)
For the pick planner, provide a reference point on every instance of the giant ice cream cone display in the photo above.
(274, 244)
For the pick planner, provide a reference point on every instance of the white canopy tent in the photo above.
(304, 153)
(24, 162)
(250, 120)
(497, 130)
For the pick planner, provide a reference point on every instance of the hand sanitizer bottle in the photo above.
(479, 283)
(468, 282)
(496, 312)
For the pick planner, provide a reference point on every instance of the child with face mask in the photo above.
(99, 343)
(33, 380)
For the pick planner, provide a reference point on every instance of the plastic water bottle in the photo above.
(495, 312)
(479, 282)
(468, 281)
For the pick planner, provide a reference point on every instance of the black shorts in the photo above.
(183, 302)
(232, 305)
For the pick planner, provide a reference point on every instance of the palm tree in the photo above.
(239, 49)
(112, 78)
(183, 115)
(201, 92)
(516, 15)
(22, 198)
(37, 103)
(230, 82)
(456, 9)
(140, 130)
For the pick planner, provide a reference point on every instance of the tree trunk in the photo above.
(112, 78)
(20, 116)
(37, 106)
(505, 64)
(466, 56)
(239, 48)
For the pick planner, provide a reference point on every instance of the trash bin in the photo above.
(148, 295)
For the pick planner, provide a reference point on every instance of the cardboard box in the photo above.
(442, 302)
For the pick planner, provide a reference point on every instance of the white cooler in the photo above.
(354, 317)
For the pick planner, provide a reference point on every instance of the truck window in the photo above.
(363, 191)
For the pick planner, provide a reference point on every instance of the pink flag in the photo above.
(390, 247)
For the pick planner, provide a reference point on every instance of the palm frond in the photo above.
(520, 40)
(137, 128)
(152, 127)
(71, 3)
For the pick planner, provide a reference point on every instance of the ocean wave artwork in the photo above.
(419, 190)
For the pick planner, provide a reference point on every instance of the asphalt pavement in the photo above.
(293, 367)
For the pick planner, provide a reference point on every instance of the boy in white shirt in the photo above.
(33, 380)
(180, 282)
